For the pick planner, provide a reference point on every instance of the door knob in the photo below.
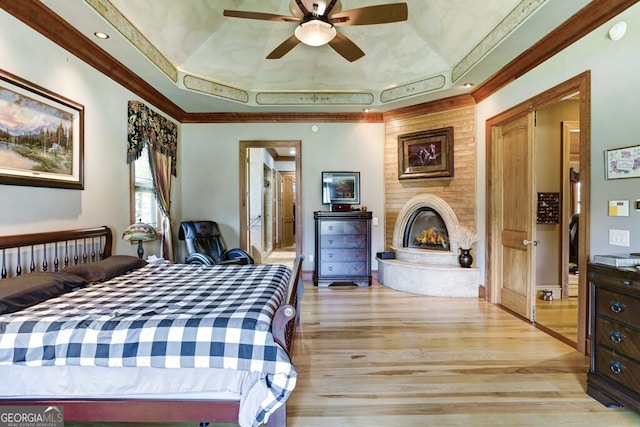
(530, 242)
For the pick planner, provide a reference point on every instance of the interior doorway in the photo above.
(498, 258)
(287, 205)
(556, 298)
(270, 182)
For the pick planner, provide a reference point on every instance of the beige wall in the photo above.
(548, 137)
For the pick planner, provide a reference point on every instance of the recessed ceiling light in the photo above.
(366, 110)
(292, 151)
(467, 85)
(101, 35)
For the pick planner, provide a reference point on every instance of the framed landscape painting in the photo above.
(41, 136)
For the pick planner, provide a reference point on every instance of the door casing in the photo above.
(581, 85)
(244, 215)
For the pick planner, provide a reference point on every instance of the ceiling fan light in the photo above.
(315, 32)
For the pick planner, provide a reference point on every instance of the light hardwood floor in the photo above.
(378, 357)
(560, 316)
(284, 256)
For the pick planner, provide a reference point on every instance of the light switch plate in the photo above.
(619, 237)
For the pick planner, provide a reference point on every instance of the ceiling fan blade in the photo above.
(284, 48)
(381, 14)
(345, 47)
(259, 15)
(302, 8)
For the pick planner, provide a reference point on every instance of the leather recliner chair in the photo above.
(205, 245)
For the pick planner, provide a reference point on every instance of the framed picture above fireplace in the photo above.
(341, 188)
(426, 154)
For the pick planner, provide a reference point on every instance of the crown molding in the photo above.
(43, 20)
(579, 25)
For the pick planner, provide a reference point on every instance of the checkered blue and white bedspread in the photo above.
(163, 316)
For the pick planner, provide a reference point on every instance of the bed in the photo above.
(114, 339)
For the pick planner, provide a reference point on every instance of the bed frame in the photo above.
(58, 249)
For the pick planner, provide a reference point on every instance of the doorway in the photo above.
(267, 170)
(513, 235)
(557, 289)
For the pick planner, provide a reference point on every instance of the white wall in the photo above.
(210, 183)
(105, 198)
(615, 102)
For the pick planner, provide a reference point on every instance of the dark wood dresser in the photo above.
(614, 376)
(343, 248)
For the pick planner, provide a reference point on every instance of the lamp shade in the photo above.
(139, 232)
(315, 32)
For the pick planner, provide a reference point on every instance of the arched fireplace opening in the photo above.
(426, 229)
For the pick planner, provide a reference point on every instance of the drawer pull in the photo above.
(627, 282)
(331, 255)
(617, 307)
(616, 336)
(331, 241)
(617, 367)
(330, 268)
(331, 227)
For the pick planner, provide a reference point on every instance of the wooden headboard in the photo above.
(54, 250)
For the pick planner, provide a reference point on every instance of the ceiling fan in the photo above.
(317, 20)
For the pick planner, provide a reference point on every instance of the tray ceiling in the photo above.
(205, 62)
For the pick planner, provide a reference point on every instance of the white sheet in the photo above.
(136, 383)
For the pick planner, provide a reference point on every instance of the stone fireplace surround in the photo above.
(426, 271)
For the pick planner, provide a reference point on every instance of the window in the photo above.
(144, 206)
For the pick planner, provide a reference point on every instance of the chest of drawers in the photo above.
(614, 375)
(343, 248)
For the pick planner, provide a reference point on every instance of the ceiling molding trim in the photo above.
(412, 89)
(40, 18)
(208, 87)
(105, 9)
(314, 98)
(438, 106)
(496, 36)
(43, 20)
(283, 118)
(586, 20)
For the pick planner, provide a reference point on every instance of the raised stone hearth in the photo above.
(427, 271)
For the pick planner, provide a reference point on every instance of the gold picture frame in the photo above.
(426, 154)
(41, 136)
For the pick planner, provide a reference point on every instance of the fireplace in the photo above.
(426, 247)
(426, 230)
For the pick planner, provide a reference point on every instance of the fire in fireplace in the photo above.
(426, 230)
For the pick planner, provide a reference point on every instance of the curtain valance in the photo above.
(146, 127)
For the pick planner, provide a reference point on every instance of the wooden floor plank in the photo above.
(376, 356)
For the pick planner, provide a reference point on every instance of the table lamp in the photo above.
(139, 232)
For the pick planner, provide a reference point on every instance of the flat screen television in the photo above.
(341, 188)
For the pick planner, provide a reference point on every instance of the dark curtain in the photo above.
(160, 136)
